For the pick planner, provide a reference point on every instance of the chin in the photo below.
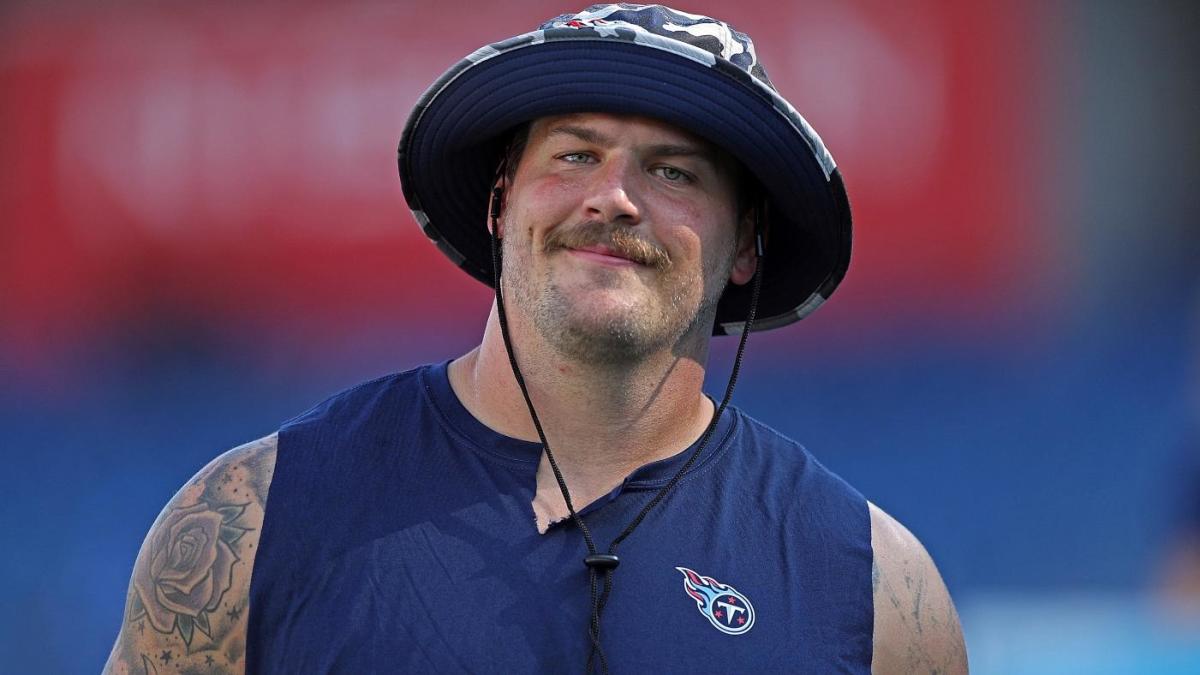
(609, 319)
(610, 333)
(609, 344)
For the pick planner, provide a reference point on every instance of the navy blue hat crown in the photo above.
(692, 71)
(715, 37)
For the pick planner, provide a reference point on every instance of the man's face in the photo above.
(620, 234)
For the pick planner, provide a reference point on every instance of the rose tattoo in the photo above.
(188, 568)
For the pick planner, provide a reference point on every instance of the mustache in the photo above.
(619, 238)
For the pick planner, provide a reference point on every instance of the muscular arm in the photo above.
(916, 626)
(187, 601)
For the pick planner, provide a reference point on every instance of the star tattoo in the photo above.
(208, 659)
(165, 657)
(235, 613)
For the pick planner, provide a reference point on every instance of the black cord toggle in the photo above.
(494, 208)
(602, 561)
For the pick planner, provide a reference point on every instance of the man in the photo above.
(564, 497)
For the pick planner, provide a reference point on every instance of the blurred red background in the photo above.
(236, 165)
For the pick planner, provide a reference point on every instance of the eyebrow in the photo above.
(584, 134)
(588, 135)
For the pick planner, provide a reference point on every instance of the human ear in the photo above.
(745, 261)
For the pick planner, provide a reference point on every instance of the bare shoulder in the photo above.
(916, 625)
(187, 601)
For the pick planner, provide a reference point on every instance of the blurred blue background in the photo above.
(201, 235)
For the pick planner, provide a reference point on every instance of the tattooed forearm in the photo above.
(187, 601)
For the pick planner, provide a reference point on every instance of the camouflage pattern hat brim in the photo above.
(691, 71)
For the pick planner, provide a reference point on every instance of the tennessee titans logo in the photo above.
(725, 608)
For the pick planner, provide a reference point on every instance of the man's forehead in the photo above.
(612, 125)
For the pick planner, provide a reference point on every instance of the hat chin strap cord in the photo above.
(595, 561)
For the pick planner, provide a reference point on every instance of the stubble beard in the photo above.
(621, 338)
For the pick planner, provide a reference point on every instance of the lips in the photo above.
(604, 255)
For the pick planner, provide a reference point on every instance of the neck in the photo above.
(601, 422)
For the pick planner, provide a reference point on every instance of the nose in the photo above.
(608, 197)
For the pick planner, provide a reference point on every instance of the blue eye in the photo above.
(576, 157)
(672, 174)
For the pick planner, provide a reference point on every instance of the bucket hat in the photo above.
(691, 71)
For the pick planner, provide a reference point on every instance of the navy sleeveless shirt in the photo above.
(400, 537)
